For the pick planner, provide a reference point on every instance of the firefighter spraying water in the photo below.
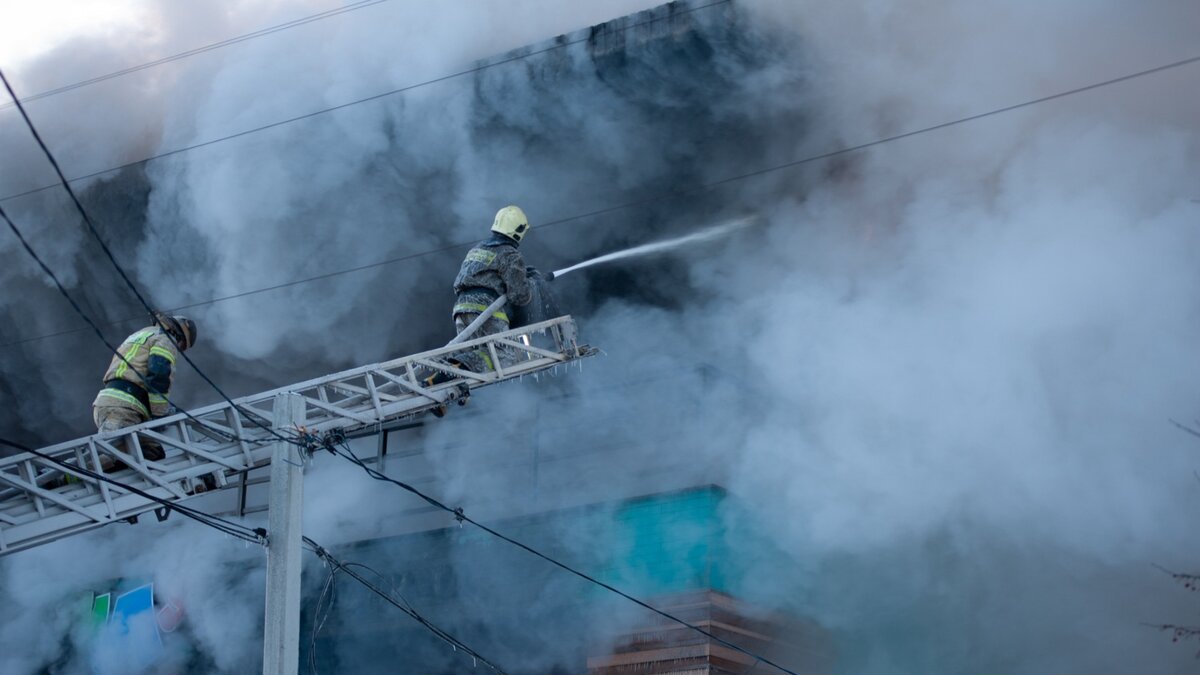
(494, 272)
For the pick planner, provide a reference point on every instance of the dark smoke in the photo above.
(939, 378)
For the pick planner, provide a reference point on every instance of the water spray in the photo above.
(704, 235)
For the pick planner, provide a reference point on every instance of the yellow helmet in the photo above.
(511, 222)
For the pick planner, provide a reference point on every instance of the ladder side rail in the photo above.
(345, 394)
(80, 519)
(333, 409)
(63, 450)
(354, 393)
(410, 388)
(178, 435)
(540, 327)
(467, 375)
(268, 396)
(222, 456)
(66, 449)
(354, 386)
(371, 392)
(107, 444)
(42, 495)
(142, 470)
(147, 473)
(415, 404)
(530, 349)
(338, 394)
(248, 402)
(194, 451)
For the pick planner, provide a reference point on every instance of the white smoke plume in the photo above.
(944, 368)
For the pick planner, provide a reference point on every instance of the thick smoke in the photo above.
(940, 377)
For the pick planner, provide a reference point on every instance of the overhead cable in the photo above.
(657, 197)
(337, 445)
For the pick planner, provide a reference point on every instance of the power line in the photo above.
(111, 258)
(256, 291)
(200, 50)
(336, 564)
(641, 202)
(333, 440)
(252, 535)
(374, 97)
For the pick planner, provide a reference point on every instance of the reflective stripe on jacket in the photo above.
(476, 302)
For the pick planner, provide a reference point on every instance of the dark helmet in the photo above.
(181, 329)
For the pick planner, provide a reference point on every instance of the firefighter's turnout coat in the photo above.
(140, 379)
(494, 266)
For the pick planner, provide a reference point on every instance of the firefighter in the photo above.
(493, 267)
(137, 382)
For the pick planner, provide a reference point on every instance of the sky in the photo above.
(31, 30)
(941, 372)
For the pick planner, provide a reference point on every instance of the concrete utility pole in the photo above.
(281, 626)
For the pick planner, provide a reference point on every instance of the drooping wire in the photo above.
(112, 259)
(441, 78)
(338, 446)
(394, 591)
(401, 604)
(252, 535)
(318, 620)
(79, 310)
(200, 50)
(639, 202)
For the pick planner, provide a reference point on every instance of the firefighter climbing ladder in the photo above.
(224, 440)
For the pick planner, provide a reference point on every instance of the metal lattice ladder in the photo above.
(223, 441)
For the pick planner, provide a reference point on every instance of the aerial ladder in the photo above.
(212, 446)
